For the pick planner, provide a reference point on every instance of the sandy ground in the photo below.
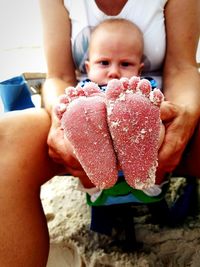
(74, 245)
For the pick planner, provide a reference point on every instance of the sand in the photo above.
(73, 244)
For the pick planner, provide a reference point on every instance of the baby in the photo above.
(119, 129)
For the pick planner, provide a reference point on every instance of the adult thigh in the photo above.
(23, 143)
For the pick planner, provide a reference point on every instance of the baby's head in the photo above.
(115, 51)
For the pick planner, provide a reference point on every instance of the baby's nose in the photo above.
(114, 72)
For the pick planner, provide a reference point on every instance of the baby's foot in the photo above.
(134, 121)
(83, 117)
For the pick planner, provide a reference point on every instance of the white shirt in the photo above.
(148, 15)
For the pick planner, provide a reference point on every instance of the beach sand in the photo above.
(74, 244)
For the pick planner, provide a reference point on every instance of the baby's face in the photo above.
(114, 55)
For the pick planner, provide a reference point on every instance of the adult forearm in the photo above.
(182, 87)
(52, 88)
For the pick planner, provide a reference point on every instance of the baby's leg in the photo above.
(83, 118)
(134, 122)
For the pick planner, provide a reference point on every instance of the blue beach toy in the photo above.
(15, 94)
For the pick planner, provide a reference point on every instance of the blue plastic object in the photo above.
(15, 94)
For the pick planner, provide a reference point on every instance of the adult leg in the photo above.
(187, 203)
(24, 165)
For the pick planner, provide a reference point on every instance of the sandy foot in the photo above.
(134, 122)
(83, 117)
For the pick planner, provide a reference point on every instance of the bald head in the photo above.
(118, 26)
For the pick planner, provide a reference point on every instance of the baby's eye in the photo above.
(125, 64)
(104, 62)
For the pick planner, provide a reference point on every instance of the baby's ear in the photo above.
(141, 68)
(87, 66)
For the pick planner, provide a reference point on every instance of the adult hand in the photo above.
(179, 127)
